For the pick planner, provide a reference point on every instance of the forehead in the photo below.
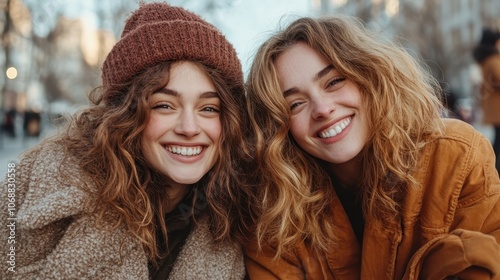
(186, 77)
(298, 64)
(185, 69)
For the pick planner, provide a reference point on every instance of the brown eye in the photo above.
(294, 104)
(162, 106)
(211, 109)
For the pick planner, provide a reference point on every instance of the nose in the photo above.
(187, 124)
(322, 108)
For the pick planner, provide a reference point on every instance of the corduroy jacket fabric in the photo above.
(56, 236)
(448, 224)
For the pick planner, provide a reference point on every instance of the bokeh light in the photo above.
(11, 73)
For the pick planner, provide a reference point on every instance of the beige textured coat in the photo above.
(52, 234)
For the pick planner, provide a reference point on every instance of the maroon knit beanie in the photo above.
(159, 32)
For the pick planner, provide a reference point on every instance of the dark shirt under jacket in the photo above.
(352, 203)
(179, 224)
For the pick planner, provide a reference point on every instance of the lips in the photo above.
(335, 129)
(185, 150)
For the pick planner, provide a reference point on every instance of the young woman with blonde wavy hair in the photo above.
(140, 185)
(359, 176)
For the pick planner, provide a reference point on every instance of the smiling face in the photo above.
(181, 139)
(328, 117)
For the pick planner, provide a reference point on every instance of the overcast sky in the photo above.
(249, 22)
(246, 23)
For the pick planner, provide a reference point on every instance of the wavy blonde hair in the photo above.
(403, 111)
(106, 138)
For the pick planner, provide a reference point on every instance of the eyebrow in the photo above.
(316, 77)
(323, 72)
(174, 93)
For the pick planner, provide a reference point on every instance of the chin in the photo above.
(186, 181)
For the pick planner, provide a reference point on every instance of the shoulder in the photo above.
(459, 133)
(457, 127)
(456, 153)
(56, 226)
(459, 156)
(49, 161)
(461, 143)
(201, 256)
(53, 186)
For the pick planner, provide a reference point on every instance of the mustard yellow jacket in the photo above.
(449, 226)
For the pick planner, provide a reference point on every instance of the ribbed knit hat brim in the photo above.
(159, 32)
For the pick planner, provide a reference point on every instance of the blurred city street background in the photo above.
(51, 51)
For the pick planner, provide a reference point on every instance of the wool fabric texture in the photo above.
(158, 32)
(57, 236)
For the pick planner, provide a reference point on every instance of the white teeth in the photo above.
(333, 131)
(185, 151)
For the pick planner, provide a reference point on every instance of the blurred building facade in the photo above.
(65, 62)
(440, 32)
(15, 27)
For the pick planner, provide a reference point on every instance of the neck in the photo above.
(174, 198)
(347, 174)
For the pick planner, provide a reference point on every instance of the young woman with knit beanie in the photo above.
(139, 185)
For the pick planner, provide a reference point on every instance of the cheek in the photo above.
(148, 136)
(148, 131)
(214, 131)
(156, 126)
(298, 127)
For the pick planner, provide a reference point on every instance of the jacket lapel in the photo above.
(344, 256)
(379, 262)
